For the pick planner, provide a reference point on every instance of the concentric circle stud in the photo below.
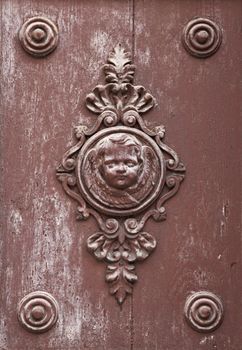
(39, 36)
(204, 311)
(38, 312)
(202, 37)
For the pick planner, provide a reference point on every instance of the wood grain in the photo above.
(199, 244)
(43, 247)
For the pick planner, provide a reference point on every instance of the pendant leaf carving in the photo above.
(121, 173)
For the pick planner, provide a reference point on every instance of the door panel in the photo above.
(198, 244)
(43, 246)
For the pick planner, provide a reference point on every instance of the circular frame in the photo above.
(81, 182)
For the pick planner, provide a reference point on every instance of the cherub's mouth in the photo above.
(121, 178)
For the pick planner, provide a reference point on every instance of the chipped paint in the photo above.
(15, 221)
(44, 248)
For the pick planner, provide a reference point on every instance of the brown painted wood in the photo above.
(199, 244)
(43, 247)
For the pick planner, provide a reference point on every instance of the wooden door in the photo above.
(187, 254)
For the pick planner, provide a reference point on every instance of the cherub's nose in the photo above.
(121, 168)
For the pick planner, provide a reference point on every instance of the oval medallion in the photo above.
(120, 171)
(38, 312)
(204, 311)
(202, 37)
(39, 36)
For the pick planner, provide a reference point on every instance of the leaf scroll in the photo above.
(121, 278)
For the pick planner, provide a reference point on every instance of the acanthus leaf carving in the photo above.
(121, 173)
(121, 278)
(119, 94)
(119, 68)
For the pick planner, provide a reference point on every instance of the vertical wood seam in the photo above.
(131, 299)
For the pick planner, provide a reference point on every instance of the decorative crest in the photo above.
(120, 172)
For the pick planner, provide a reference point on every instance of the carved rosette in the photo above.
(38, 312)
(120, 172)
(39, 36)
(204, 311)
(202, 37)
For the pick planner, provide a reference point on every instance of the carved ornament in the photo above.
(202, 37)
(204, 311)
(38, 312)
(120, 172)
(39, 36)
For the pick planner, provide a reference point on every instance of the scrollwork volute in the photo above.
(120, 172)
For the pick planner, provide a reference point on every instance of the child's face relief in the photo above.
(120, 167)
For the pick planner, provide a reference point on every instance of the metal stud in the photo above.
(39, 36)
(38, 312)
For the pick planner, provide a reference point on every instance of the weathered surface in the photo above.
(199, 103)
(121, 173)
(43, 246)
(42, 242)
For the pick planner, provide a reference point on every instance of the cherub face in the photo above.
(120, 167)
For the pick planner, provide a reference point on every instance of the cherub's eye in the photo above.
(130, 164)
(110, 165)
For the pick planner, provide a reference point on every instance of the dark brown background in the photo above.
(43, 247)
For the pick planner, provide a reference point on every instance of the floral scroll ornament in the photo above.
(120, 172)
